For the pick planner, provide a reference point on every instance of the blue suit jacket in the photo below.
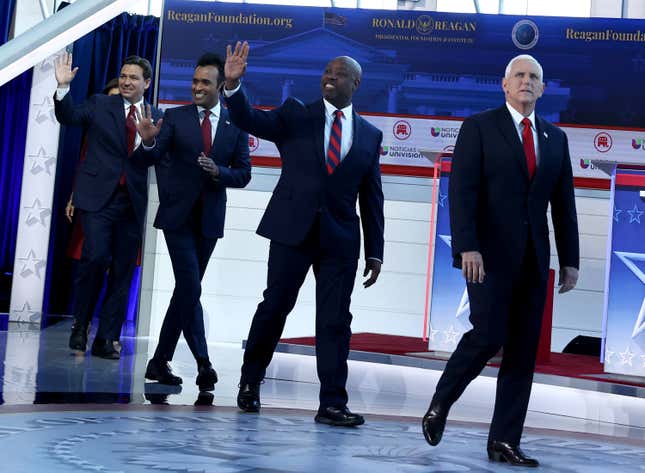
(494, 207)
(98, 175)
(305, 190)
(182, 181)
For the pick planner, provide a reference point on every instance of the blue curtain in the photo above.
(99, 56)
(14, 108)
(7, 8)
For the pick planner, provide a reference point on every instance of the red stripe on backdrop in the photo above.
(635, 180)
(423, 171)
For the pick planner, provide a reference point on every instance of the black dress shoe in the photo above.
(506, 453)
(104, 349)
(340, 416)
(78, 337)
(248, 397)
(206, 378)
(434, 421)
(160, 371)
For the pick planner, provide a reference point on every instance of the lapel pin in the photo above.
(545, 134)
(227, 122)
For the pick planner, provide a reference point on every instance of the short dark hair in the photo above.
(113, 84)
(212, 59)
(143, 63)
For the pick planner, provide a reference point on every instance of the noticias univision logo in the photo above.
(587, 164)
(638, 143)
(384, 150)
(435, 131)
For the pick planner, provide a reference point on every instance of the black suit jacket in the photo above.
(98, 175)
(495, 208)
(182, 181)
(305, 190)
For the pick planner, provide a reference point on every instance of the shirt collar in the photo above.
(214, 111)
(330, 109)
(139, 104)
(518, 117)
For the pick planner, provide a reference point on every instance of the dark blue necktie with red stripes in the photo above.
(333, 152)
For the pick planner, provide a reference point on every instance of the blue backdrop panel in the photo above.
(442, 64)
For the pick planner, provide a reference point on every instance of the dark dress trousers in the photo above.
(192, 207)
(112, 215)
(497, 210)
(311, 221)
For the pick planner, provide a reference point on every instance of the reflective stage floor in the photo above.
(64, 413)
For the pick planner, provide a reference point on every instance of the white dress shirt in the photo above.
(517, 121)
(347, 128)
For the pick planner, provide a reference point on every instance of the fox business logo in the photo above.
(587, 164)
(638, 143)
(444, 132)
(603, 142)
(424, 24)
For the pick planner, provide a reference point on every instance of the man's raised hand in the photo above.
(146, 126)
(63, 70)
(235, 65)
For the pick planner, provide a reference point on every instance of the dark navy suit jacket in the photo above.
(182, 181)
(494, 207)
(103, 116)
(305, 190)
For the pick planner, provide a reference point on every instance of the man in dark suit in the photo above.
(201, 153)
(508, 165)
(330, 157)
(111, 193)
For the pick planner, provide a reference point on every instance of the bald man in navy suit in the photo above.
(330, 159)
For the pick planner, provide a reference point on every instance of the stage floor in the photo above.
(66, 413)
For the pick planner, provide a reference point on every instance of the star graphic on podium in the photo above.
(442, 199)
(608, 355)
(617, 212)
(432, 333)
(451, 335)
(628, 259)
(635, 214)
(626, 357)
(37, 214)
(41, 162)
(31, 265)
(26, 314)
(464, 303)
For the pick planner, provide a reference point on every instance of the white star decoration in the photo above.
(31, 265)
(41, 162)
(451, 335)
(608, 355)
(432, 333)
(26, 314)
(626, 357)
(635, 214)
(37, 214)
(464, 305)
(442, 199)
(628, 259)
(44, 111)
(617, 212)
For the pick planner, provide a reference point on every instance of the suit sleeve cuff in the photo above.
(375, 259)
(61, 92)
(228, 93)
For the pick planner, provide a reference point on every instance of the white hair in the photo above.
(524, 57)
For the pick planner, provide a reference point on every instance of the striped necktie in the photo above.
(335, 137)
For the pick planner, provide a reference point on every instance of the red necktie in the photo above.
(335, 136)
(529, 147)
(131, 134)
(207, 138)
